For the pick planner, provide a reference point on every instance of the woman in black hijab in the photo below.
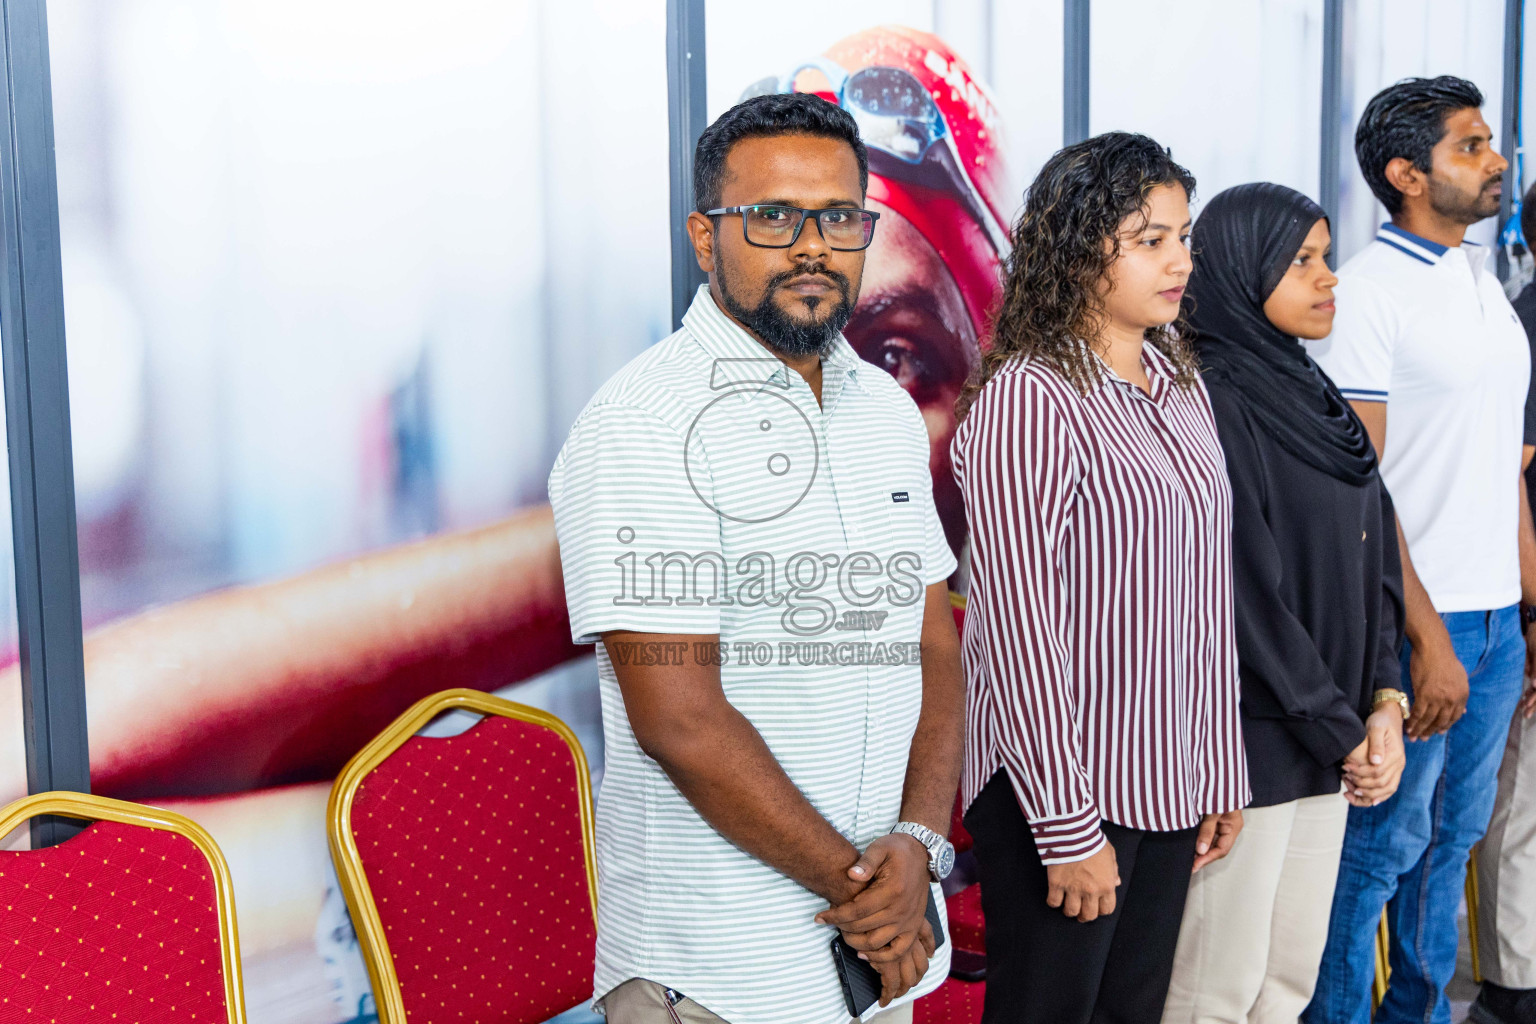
(1317, 595)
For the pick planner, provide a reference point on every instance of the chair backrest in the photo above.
(467, 862)
(132, 919)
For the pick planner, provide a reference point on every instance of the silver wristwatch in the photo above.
(941, 854)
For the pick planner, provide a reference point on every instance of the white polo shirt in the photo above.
(703, 490)
(1427, 330)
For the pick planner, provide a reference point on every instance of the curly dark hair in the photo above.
(1050, 310)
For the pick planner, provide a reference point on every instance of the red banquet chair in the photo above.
(959, 999)
(132, 920)
(467, 864)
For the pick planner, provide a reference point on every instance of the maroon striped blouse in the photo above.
(1099, 651)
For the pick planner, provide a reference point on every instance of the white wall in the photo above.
(1388, 40)
(1234, 89)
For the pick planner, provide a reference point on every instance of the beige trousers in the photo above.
(1506, 867)
(639, 1001)
(1256, 921)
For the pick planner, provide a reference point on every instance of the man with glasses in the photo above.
(746, 523)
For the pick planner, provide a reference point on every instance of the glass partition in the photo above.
(1388, 40)
(338, 277)
(13, 740)
(1233, 89)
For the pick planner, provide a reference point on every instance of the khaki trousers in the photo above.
(639, 1001)
(1256, 922)
(1506, 867)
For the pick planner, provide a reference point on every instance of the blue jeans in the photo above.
(1412, 850)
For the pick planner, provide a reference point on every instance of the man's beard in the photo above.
(1455, 205)
(781, 332)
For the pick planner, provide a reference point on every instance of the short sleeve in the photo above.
(1358, 354)
(637, 542)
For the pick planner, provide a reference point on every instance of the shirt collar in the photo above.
(737, 359)
(1477, 256)
(1160, 373)
(1421, 249)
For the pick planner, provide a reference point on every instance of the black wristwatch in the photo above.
(1527, 616)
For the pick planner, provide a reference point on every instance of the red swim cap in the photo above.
(945, 174)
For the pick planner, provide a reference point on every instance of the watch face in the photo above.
(945, 861)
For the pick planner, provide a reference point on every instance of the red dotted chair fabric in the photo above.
(954, 1002)
(957, 834)
(119, 923)
(472, 847)
(967, 929)
(958, 1001)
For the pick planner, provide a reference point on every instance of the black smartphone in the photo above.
(860, 981)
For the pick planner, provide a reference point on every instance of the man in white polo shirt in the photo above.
(1428, 350)
(746, 523)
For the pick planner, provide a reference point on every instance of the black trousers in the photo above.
(1046, 968)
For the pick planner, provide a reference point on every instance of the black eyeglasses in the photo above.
(778, 227)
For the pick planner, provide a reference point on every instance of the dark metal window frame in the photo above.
(1509, 129)
(1076, 62)
(37, 421)
(687, 110)
(1331, 116)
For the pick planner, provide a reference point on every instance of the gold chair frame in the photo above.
(1383, 969)
(101, 808)
(1477, 963)
(349, 862)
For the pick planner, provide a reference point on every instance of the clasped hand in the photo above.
(885, 919)
(1373, 769)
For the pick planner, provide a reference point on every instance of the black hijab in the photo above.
(1243, 244)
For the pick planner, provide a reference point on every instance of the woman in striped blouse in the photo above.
(1104, 754)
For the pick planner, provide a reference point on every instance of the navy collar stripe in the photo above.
(1410, 243)
(1405, 249)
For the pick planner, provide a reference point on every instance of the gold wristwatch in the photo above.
(1389, 696)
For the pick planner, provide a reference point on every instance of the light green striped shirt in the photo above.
(703, 490)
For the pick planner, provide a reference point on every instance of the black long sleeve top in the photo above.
(1317, 589)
